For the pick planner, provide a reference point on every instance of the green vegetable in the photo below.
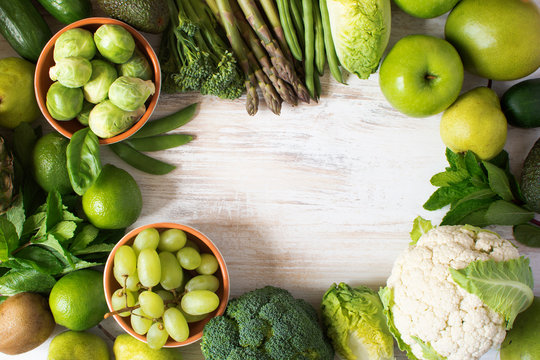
(288, 28)
(115, 43)
(103, 75)
(68, 11)
(107, 120)
(64, 103)
(83, 116)
(360, 30)
(506, 286)
(320, 53)
(72, 72)
(529, 178)
(160, 142)
(130, 93)
(150, 16)
(521, 104)
(137, 67)
(75, 42)
(167, 123)
(83, 162)
(265, 324)
(420, 227)
(355, 323)
(141, 161)
(331, 56)
(309, 47)
(23, 28)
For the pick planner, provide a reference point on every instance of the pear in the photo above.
(75, 345)
(475, 122)
(127, 347)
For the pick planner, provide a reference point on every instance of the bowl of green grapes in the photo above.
(163, 282)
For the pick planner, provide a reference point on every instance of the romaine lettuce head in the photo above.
(361, 30)
(355, 323)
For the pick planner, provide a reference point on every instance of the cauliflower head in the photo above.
(431, 316)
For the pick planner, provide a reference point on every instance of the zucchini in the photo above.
(68, 11)
(521, 104)
(24, 28)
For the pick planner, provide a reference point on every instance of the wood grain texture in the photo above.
(323, 193)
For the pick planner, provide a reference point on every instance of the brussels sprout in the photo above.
(129, 93)
(115, 43)
(75, 42)
(85, 112)
(137, 67)
(103, 75)
(107, 120)
(64, 103)
(72, 72)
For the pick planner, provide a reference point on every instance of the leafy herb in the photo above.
(527, 234)
(83, 161)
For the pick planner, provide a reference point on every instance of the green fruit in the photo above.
(77, 300)
(530, 178)
(74, 345)
(50, 163)
(17, 100)
(421, 75)
(127, 347)
(426, 9)
(521, 104)
(146, 15)
(475, 122)
(522, 342)
(114, 201)
(497, 39)
(26, 323)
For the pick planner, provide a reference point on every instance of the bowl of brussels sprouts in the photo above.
(99, 73)
(163, 282)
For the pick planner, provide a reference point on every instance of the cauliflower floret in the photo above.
(429, 305)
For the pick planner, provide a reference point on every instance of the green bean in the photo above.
(317, 82)
(296, 11)
(320, 55)
(160, 142)
(141, 161)
(333, 61)
(307, 8)
(167, 123)
(288, 29)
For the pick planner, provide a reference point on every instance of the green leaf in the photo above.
(87, 235)
(9, 240)
(79, 264)
(449, 194)
(477, 195)
(473, 166)
(37, 258)
(428, 351)
(34, 223)
(3, 298)
(476, 218)
(24, 138)
(498, 181)
(502, 160)
(505, 213)
(54, 210)
(64, 230)
(83, 162)
(527, 234)
(420, 227)
(53, 243)
(16, 214)
(106, 248)
(456, 215)
(455, 160)
(448, 177)
(17, 281)
(505, 286)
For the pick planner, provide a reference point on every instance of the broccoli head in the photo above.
(266, 324)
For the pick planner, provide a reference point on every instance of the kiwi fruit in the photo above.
(25, 322)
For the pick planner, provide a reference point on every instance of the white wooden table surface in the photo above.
(323, 193)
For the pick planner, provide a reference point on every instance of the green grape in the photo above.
(203, 282)
(151, 304)
(157, 336)
(171, 272)
(121, 299)
(148, 268)
(209, 264)
(175, 324)
(191, 318)
(192, 244)
(165, 295)
(132, 283)
(146, 239)
(189, 258)
(198, 302)
(121, 279)
(125, 260)
(172, 240)
(140, 322)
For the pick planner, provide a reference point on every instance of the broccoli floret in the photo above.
(266, 324)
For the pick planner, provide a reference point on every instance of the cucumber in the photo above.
(24, 28)
(521, 104)
(68, 11)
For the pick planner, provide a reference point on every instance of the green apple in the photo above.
(475, 122)
(523, 341)
(497, 39)
(421, 75)
(426, 9)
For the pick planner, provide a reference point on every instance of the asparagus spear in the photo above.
(252, 98)
(274, 19)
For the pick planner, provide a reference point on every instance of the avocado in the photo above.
(521, 104)
(530, 178)
(150, 16)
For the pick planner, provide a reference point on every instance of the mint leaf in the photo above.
(16, 214)
(99, 248)
(527, 234)
(53, 243)
(87, 235)
(476, 218)
(448, 177)
(449, 194)
(473, 166)
(420, 227)
(498, 181)
(505, 213)
(9, 240)
(17, 281)
(479, 194)
(505, 286)
(54, 210)
(456, 215)
(37, 258)
(64, 230)
(455, 160)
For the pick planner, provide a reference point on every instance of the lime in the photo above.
(114, 201)
(77, 300)
(50, 163)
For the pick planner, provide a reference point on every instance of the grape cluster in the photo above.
(157, 291)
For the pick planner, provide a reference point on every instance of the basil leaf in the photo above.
(420, 227)
(505, 286)
(9, 240)
(505, 213)
(456, 215)
(17, 281)
(87, 235)
(83, 162)
(527, 234)
(498, 181)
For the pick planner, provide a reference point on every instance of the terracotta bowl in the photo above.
(42, 82)
(206, 246)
